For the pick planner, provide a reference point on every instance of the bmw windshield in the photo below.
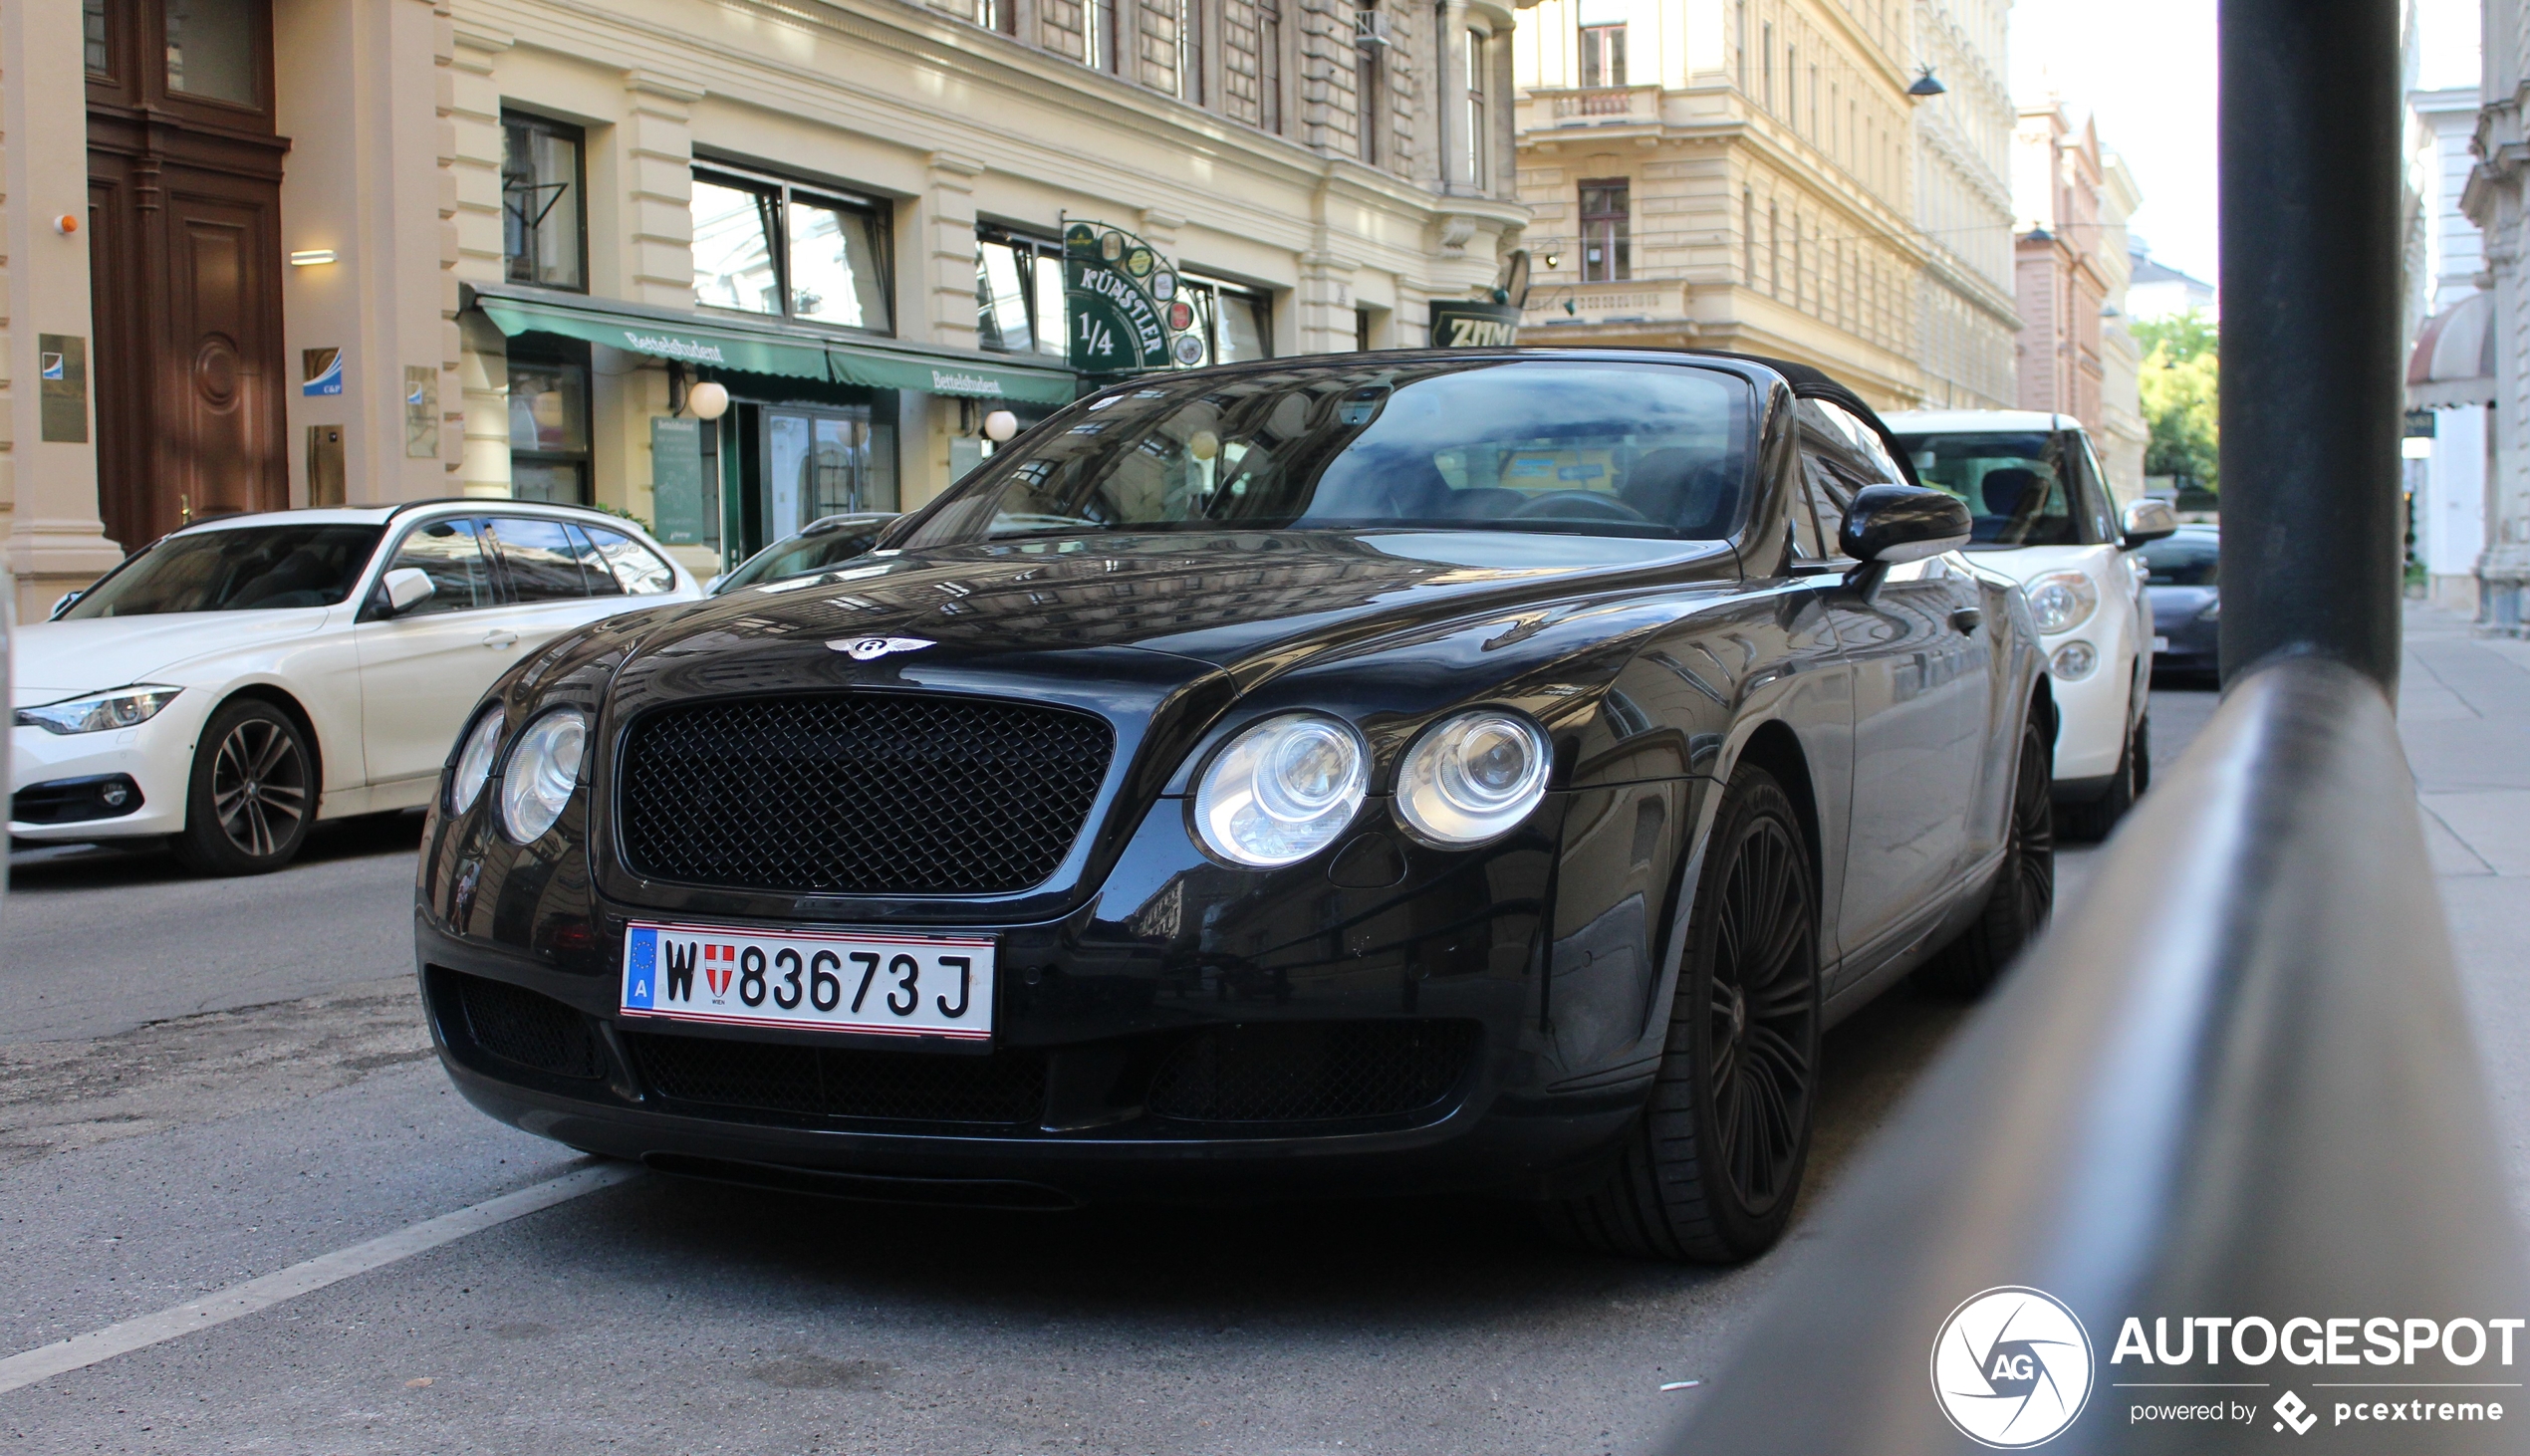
(242, 569)
(1575, 446)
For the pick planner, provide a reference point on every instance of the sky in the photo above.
(2145, 69)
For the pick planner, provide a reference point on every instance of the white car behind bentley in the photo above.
(244, 677)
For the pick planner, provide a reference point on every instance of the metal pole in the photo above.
(2311, 379)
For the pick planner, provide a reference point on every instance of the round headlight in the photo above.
(1282, 791)
(2059, 602)
(2074, 661)
(542, 769)
(474, 762)
(1472, 777)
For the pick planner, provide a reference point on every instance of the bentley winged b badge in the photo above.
(865, 649)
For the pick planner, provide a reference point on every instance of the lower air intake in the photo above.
(518, 1025)
(1003, 1090)
(1315, 1072)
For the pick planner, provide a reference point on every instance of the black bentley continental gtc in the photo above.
(1415, 771)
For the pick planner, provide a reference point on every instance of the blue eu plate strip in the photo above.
(640, 961)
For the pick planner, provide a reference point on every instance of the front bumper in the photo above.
(156, 757)
(1285, 979)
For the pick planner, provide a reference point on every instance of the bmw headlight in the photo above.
(542, 769)
(474, 762)
(1472, 777)
(1282, 791)
(2059, 602)
(125, 707)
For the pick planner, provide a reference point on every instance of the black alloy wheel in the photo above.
(253, 793)
(1710, 1172)
(2017, 908)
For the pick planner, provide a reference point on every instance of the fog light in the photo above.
(2074, 661)
(114, 795)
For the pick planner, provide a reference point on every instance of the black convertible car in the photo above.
(1414, 770)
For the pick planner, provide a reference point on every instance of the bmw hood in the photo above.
(52, 660)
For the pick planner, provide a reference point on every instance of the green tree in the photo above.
(2180, 382)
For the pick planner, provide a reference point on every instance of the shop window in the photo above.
(1607, 220)
(1238, 321)
(764, 246)
(1018, 293)
(544, 212)
(1603, 55)
(548, 427)
(211, 49)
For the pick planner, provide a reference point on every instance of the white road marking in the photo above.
(82, 1351)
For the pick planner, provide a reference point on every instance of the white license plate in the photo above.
(2160, 644)
(871, 982)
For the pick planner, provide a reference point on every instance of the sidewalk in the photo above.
(2465, 712)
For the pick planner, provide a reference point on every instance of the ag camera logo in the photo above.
(2011, 1367)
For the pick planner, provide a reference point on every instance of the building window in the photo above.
(1479, 66)
(549, 422)
(1739, 46)
(1766, 63)
(1607, 220)
(765, 246)
(92, 18)
(1000, 15)
(1748, 236)
(1239, 322)
(1603, 55)
(211, 49)
(1371, 38)
(1792, 85)
(1774, 249)
(1018, 293)
(1269, 66)
(544, 215)
(1099, 46)
(1814, 103)
(1191, 51)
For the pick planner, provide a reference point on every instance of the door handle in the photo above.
(500, 638)
(1967, 618)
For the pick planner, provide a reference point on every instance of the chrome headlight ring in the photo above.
(1472, 777)
(1281, 790)
(542, 769)
(475, 755)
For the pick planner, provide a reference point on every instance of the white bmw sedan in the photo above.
(244, 677)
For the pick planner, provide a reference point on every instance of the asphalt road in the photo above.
(203, 1083)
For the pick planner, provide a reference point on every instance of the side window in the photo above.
(593, 571)
(454, 557)
(539, 557)
(635, 567)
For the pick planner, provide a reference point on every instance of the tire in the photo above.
(2023, 896)
(252, 796)
(1709, 1172)
(2093, 821)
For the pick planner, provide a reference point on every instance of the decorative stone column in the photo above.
(48, 478)
(655, 146)
(474, 143)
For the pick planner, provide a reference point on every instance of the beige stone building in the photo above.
(1746, 174)
(2061, 265)
(2123, 433)
(374, 250)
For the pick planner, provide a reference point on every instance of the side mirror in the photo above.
(406, 587)
(2148, 519)
(1887, 525)
(68, 601)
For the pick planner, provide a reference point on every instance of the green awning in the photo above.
(718, 343)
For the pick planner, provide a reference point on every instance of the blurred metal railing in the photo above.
(2238, 1080)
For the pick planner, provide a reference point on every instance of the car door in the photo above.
(1923, 677)
(555, 579)
(423, 669)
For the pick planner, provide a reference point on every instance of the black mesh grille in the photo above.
(1006, 1088)
(860, 794)
(1314, 1072)
(515, 1025)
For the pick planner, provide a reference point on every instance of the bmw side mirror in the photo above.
(406, 587)
(1889, 525)
(2145, 520)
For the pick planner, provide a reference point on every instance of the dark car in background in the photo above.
(2185, 592)
(826, 542)
(1459, 770)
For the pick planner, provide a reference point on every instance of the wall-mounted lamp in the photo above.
(311, 257)
(1554, 260)
(1000, 425)
(707, 400)
(1925, 85)
(66, 224)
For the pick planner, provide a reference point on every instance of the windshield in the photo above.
(2185, 560)
(244, 568)
(2014, 484)
(1573, 446)
(804, 554)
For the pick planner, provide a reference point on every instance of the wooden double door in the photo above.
(185, 213)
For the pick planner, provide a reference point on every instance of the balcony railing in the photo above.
(1598, 103)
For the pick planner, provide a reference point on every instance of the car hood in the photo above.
(1252, 603)
(58, 659)
(2024, 564)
